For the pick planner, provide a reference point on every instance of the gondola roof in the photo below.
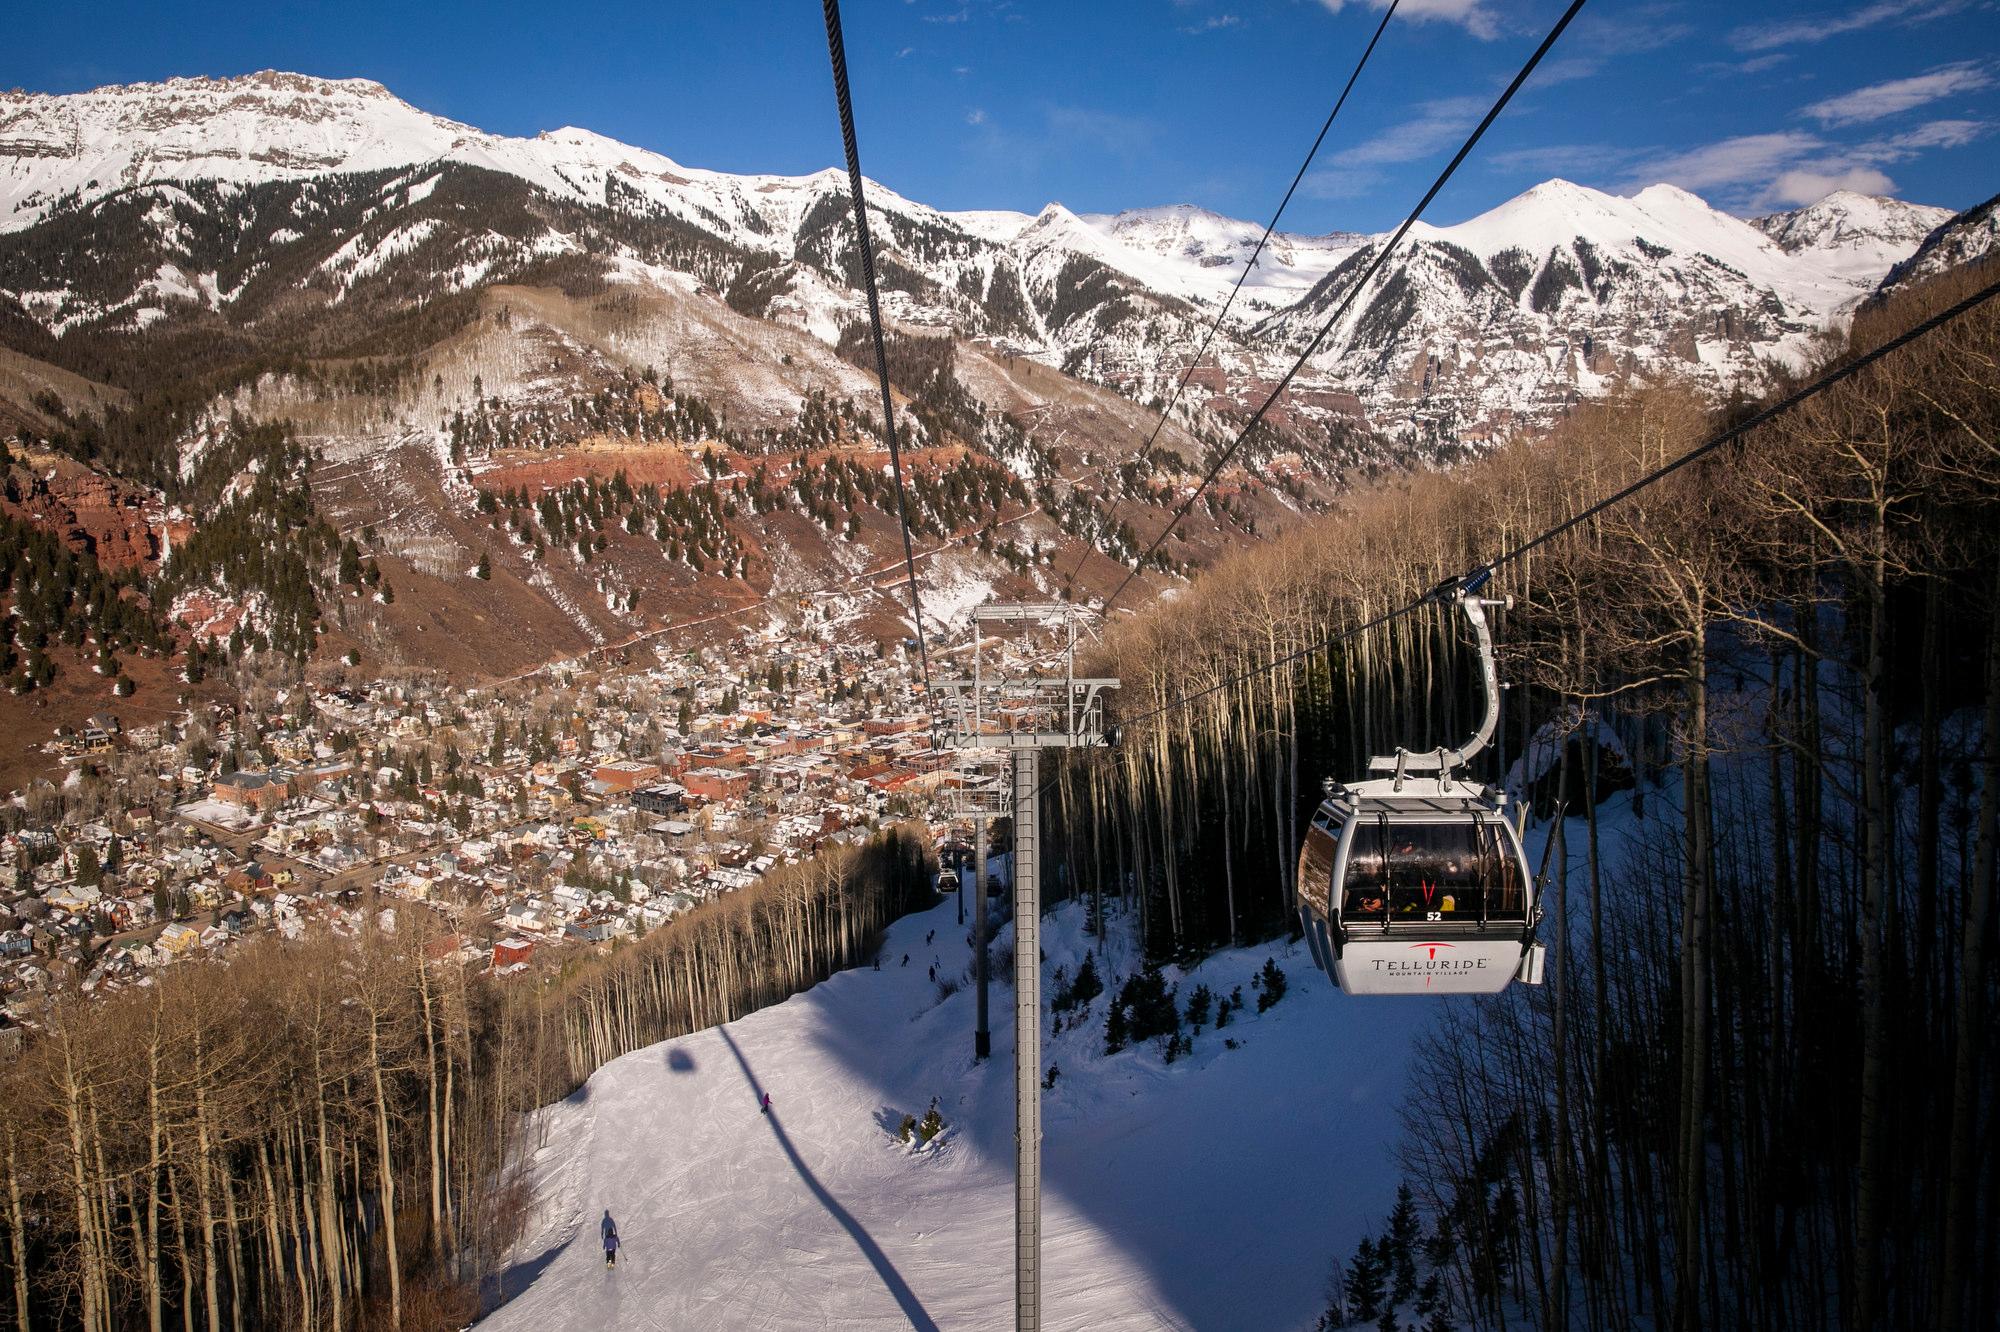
(1418, 796)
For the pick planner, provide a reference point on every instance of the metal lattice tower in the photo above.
(1025, 696)
(985, 791)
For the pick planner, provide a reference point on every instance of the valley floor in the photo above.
(1210, 1193)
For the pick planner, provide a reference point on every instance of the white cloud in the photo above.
(1728, 163)
(1937, 134)
(1125, 136)
(1213, 23)
(1804, 187)
(1759, 170)
(1819, 27)
(1472, 15)
(1887, 99)
(1356, 171)
(1436, 124)
(1754, 65)
(976, 116)
(1573, 160)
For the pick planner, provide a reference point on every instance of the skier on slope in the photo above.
(609, 1229)
(764, 1103)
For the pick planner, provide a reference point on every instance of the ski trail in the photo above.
(1210, 1193)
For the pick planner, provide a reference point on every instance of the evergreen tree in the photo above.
(1087, 986)
(686, 720)
(1430, 1297)
(484, 570)
(1197, 1007)
(87, 870)
(932, 1123)
(1153, 1008)
(1438, 1248)
(1405, 1233)
(1114, 1028)
(1364, 1282)
(1270, 985)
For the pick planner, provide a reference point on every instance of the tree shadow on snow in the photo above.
(504, 1285)
(1258, 1102)
(679, 1060)
(906, 1298)
(499, 1287)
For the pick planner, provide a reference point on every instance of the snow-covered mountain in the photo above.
(1966, 238)
(1207, 251)
(1855, 235)
(1510, 315)
(1553, 294)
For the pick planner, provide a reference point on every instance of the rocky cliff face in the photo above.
(121, 526)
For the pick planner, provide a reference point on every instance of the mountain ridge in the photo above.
(1150, 278)
(477, 318)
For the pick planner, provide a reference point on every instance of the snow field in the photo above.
(1210, 1193)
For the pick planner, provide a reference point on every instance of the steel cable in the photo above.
(1354, 292)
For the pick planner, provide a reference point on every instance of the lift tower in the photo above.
(1025, 696)
(985, 792)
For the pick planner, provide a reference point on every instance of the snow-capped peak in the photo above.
(263, 126)
(1663, 195)
(1558, 211)
(1545, 293)
(1855, 235)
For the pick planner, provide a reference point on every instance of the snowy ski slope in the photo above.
(1210, 1193)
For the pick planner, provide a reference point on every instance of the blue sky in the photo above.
(1108, 104)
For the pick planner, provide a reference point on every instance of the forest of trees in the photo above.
(261, 541)
(690, 525)
(326, 1134)
(1758, 1089)
(57, 596)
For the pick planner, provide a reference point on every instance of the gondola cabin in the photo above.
(1418, 886)
(947, 883)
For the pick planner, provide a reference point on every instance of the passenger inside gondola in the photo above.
(1444, 871)
(1367, 879)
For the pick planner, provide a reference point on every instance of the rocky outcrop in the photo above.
(120, 526)
(1969, 237)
